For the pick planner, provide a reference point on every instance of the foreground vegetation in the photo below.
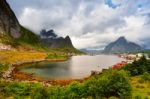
(129, 82)
(140, 87)
(109, 84)
(139, 78)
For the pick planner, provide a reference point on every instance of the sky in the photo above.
(91, 24)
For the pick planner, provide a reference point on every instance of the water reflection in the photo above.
(75, 67)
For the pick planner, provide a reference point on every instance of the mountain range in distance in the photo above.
(92, 51)
(121, 45)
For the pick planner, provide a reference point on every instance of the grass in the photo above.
(140, 88)
(30, 42)
(10, 57)
(109, 84)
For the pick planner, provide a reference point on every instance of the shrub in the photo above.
(19, 89)
(146, 76)
(138, 67)
(112, 83)
(39, 92)
(106, 85)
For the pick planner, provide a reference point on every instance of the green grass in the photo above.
(109, 84)
(28, 37)
(56, 56)
(140, 88)
(30, 41)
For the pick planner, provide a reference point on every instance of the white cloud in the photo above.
(91, 24)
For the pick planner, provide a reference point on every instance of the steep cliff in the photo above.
(17, 37)
(9, 24)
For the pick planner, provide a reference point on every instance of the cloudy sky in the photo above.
(91, 24)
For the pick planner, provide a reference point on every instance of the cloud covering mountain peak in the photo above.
(95, 23)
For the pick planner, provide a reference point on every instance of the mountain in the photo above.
(51, 40)
(15, 36)
(122, 45)
(8, 21)
(91, 51)
(11, 32)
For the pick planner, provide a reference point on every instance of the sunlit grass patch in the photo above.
(140, 90)
(14, 56)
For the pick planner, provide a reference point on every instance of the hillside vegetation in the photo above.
(109, 84)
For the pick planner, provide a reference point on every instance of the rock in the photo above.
(8, 21)
(51, 40)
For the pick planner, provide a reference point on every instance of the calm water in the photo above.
(75, 67)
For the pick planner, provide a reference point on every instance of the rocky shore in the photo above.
(12, 74)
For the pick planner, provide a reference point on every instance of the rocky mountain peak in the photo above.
(47, 34)
(121, 39)
(121, 45)
(52, 40)
(67, 38)
(8, 21)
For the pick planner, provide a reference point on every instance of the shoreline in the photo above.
(12, 74)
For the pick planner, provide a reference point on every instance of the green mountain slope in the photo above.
(20, 38)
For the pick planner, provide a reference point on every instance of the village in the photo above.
(129, 59)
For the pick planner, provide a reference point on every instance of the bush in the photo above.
(19, 89)
(112, 83)
(38, 92)
(146, 76)
(138, 67)
(106, 85)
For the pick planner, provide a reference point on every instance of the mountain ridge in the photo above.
(52, 40)
(122, 45)
(20, 38)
